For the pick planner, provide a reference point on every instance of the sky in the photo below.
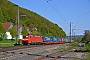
(62, 12)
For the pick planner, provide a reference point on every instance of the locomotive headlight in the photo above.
(26, 39)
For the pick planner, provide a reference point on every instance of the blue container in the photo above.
(50, 39)
(55, 39)
(47, 39)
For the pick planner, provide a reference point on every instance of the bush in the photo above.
(1, 38)
(87, 48)
(73, 44)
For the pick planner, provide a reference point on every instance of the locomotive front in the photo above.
(25, 40)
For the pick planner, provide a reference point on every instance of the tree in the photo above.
(13, 31)
(86, 38)
(35, 32)
(1, 16)
(24, 31)
(2, 28)
(32, 20)
(2, 31)
(79, 39)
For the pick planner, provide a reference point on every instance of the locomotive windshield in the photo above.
(25, 36)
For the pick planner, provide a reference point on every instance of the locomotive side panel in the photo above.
(36, 40)
(30, 39)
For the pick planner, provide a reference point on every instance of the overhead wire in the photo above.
(79, 16)
(57, 11)
(82, 16)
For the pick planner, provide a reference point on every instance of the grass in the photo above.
(62, 47)
(87, 56)
(5, 45)
(7, 42)
(85, 49)
(73, 44)
(66, 47)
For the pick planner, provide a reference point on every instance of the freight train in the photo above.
(31, 39)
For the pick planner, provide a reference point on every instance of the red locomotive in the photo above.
(30, 39)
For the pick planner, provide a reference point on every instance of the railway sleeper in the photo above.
(54, 55)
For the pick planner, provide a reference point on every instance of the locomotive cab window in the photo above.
(25, 36)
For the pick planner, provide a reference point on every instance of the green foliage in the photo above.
(2, 32)
(13, 32)
(88, 56)
(24, 31)
(31, 20)
(87, 47)
(5, 45)
(74, 44)
(1, 15)
(7, 41)
(86, 50)
(1, 38)
(86, 38)
(36, 32)
(79, 39)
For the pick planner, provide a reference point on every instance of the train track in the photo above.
(52, 56)
(38, 52)
(15, 51)
(4, 49)
(59, 55)
(8, 53)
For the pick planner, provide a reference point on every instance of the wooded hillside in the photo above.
(36, 23)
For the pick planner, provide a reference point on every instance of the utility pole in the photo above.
(17, 27)
(73, 34)
(17, 24)
(70, 31)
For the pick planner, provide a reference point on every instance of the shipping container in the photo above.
(47, 39)
(62, 41)
(55, 39)
(50, 40)
(67, 40)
